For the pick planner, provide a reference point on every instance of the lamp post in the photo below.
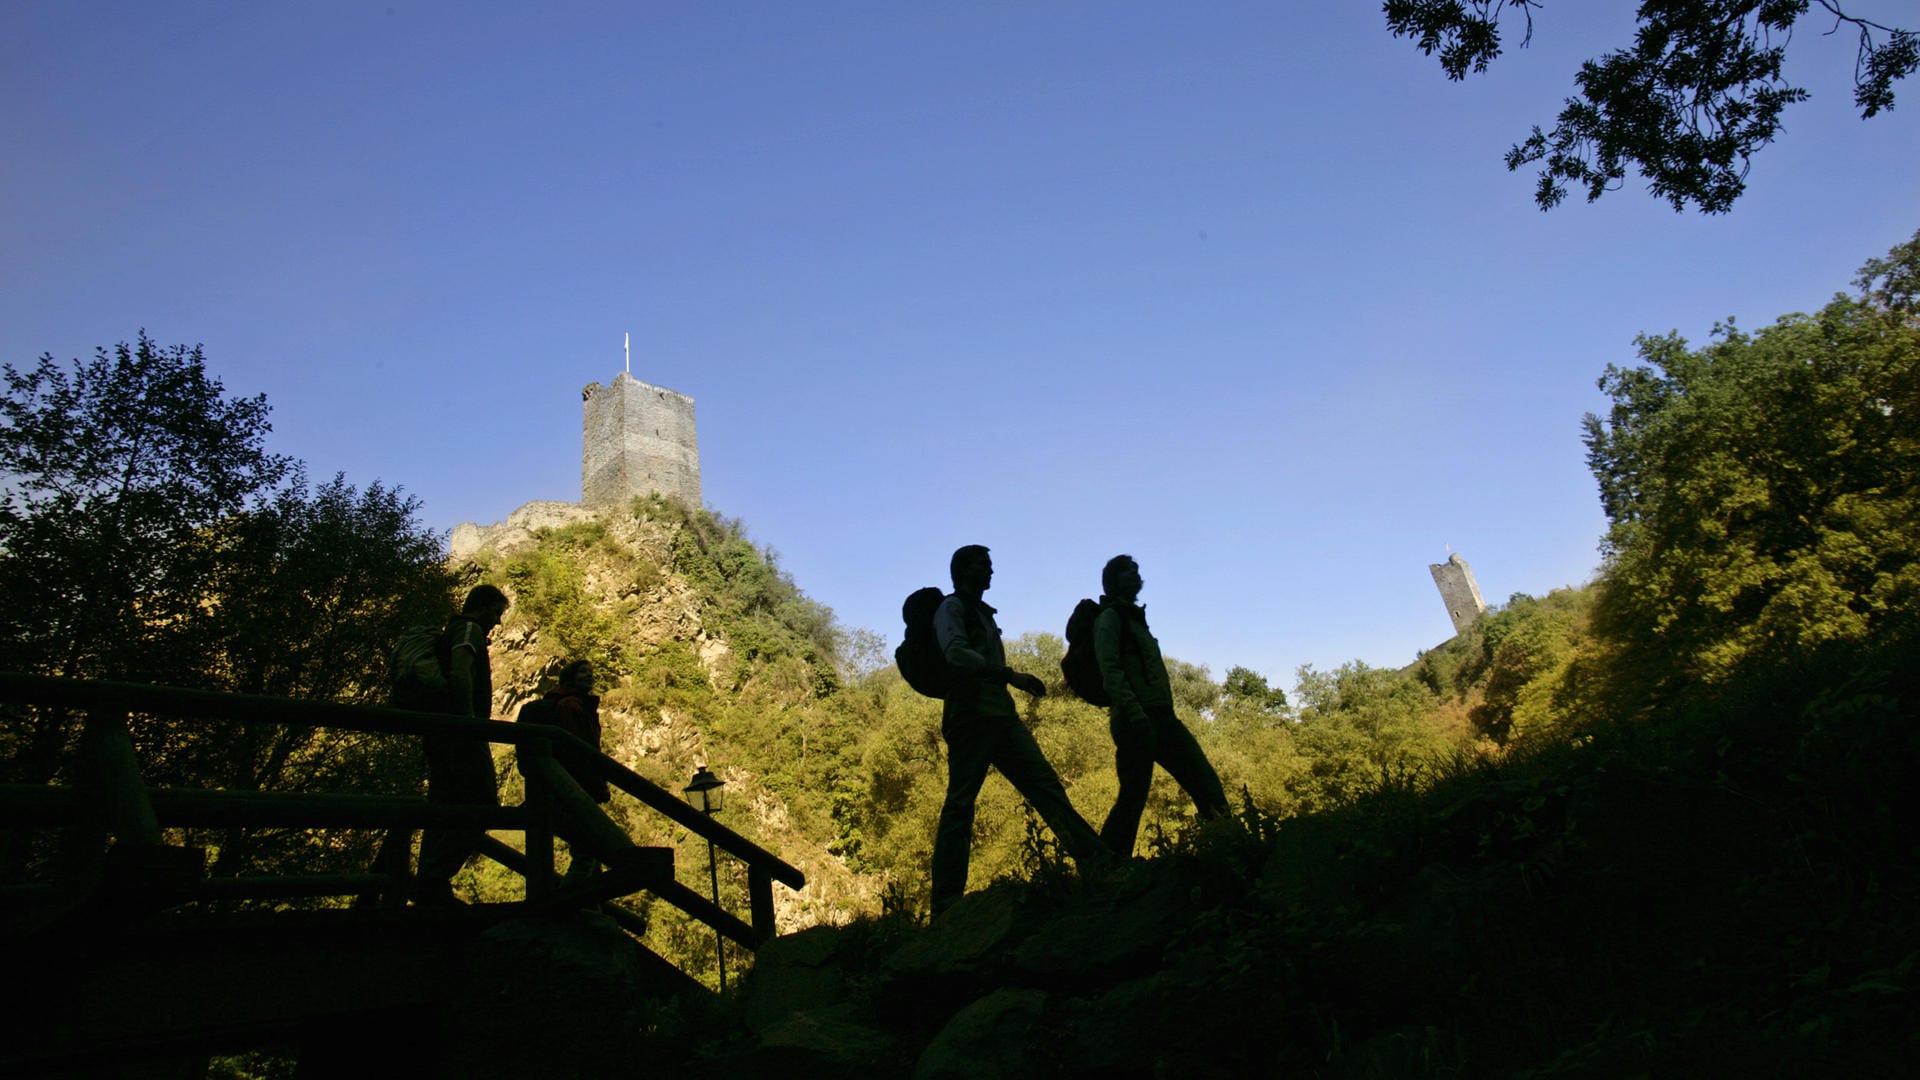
(703, 794)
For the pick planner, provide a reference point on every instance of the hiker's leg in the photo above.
(437, 861)
(460, 772)
(968, 751)
(1179, 753)
(1133, 753)
(1019, 759)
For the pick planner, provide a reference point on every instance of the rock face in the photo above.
(469, 539)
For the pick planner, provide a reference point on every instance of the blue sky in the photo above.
(1240, 288)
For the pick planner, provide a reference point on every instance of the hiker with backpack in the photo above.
(981, 726)
(574, 708)
(1140, 709)
(459, 768)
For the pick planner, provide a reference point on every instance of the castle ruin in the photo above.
(635, 439)
(1458, 591)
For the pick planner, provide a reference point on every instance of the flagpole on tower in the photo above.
(627, 346)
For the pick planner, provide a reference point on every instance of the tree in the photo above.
(117, 473)
(1360, 726)
(1529, 646)
(1700, 90)
(1248, 689)
(1764, 491)
(311, 588)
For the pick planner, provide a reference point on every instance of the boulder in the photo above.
(792, 973)
(991, 1037)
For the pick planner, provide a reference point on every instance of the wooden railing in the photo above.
(110, 801)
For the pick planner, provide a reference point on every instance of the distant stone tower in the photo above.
(1458, 590)
(637, 439)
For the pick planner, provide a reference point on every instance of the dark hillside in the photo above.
(1726, 893)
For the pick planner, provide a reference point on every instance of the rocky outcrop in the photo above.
(469, 539)
(1012, 981)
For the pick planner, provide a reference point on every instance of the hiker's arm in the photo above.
(1113, 673)
(950, 630)
(460, 680)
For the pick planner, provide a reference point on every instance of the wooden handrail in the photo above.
(555, 800)
(40, 804)
(260, 708)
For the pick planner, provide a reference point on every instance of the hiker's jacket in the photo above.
(577, 714)
(970, 640)
(1129, 658)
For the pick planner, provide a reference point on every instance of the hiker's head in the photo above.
(1120, 578)
(577, 676)
(971, 569)
(485, 604)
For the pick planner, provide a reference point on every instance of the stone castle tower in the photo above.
(637, 439)
(1458, 590)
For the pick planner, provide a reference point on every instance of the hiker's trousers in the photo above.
(1138, 745)
(459, 770)
(973, 744)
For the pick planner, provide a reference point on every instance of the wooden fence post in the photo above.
(142, 869)
(110, 750)
(760, 895)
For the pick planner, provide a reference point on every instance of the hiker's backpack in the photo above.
(1080, 665)
(921, 663)
(417, 667)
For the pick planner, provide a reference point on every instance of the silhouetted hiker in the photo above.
(1141, 718)
(460, 770)
(983, 728)
(575, 709)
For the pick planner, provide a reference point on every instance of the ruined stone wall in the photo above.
(637, 439)
(1458, 590)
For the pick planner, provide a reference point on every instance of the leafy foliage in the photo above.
(1699, 92)
(752, 602)
(1530, 646)
(311, 588)
(1761, 490)
(118, 473)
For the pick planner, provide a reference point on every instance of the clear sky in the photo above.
(1240, 288)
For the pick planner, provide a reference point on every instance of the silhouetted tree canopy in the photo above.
(1686, 105)
(117, 472)
(147, 534)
